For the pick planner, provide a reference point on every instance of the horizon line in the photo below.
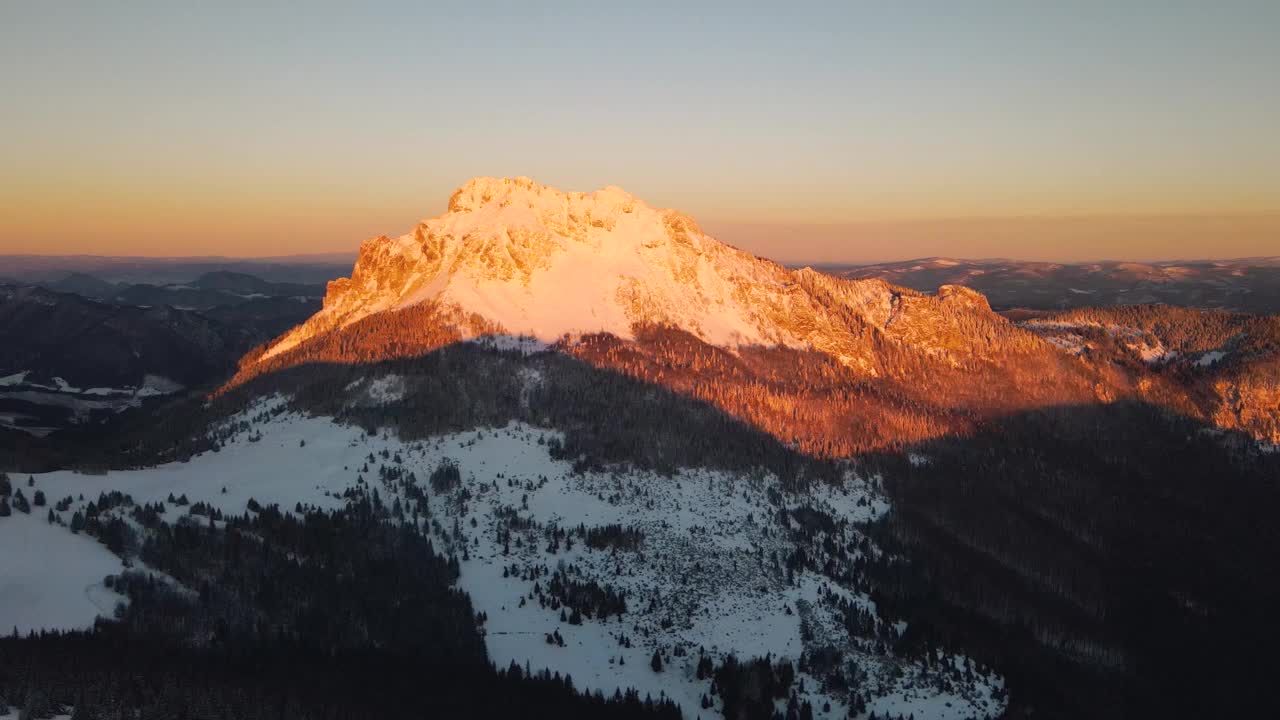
(337, 256)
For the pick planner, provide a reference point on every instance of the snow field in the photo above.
(50, 578)
(703, 577)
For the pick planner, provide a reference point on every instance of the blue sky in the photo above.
(306, 127)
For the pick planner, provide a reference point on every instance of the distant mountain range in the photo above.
(1244, 285)
(79, 348)
(211, 289)
(67, 360)
(305, 269)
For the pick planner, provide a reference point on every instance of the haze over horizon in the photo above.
(769, 233)
(807, 134)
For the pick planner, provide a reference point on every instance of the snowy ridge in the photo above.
(540, 263)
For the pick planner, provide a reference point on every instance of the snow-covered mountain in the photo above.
(520, 258)
(538, 261)
(512, 257)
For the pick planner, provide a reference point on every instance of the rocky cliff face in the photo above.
(532, 260)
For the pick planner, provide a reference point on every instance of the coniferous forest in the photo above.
(339, 614)
(1114, 561)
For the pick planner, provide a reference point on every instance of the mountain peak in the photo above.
(479, 193)
(513, 256)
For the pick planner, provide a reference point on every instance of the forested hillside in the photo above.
(313, 614)
(1033, 538)
(1116, 559)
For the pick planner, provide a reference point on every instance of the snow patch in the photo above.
(523, 344)
(1071, 342)
(153, 385)
(386, 389)
(1152, 352)
(1210, 358)
(14, 379)
(64, 386)
(50, 578)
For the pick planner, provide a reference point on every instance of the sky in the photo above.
(805, 132)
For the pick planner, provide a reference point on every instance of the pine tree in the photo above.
(20, 502)
(38, 499)
(656, 662)
(81, 710)
(4, 507)
(34, 707)
(6, 487)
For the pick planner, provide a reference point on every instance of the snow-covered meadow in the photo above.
(50, 578)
